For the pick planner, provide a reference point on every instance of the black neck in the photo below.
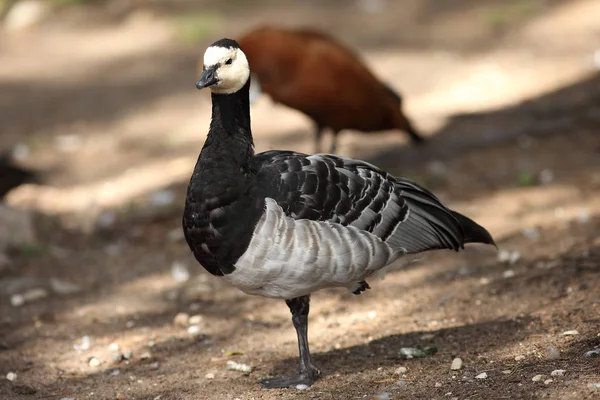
(231, 116)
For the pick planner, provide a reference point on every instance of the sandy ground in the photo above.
(106, 105)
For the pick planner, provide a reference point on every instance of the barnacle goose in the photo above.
(282, 224)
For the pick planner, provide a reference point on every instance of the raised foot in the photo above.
(302, 381)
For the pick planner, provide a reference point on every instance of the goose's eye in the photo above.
(229, 61)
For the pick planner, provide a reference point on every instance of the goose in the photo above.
(283, 224)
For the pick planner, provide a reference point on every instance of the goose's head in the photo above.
(225, 68)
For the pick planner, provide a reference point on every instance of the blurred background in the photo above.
(97, 100)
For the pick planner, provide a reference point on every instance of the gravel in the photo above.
(558, 372)
(482, 375)
(11, 376)
(537, 378)
(94, 362)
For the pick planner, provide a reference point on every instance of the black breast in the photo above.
(220, 214)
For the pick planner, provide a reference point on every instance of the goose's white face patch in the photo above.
(232, 69)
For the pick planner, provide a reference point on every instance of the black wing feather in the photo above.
(325, 187)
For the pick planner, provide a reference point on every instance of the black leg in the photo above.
(318, 136)
(299, 307)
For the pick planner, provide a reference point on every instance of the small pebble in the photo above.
(84, 344)
(438, 384)
(63, 287)
(482, 375)
(427, 336)
(548, 381)
(531, 233)
(401, 370)
(179, 272)
(11, 376)
(17, 300)
(195, 319)
(594, 386)
(121, 396)
(145, 356)
(129, 324)
(210, 375)
(592, 353)
(537, 378)
(506, 371)
(381, 396)
(128, 355)
(519, 358)
(114, 347)
(117, 357)
(94, 362)
(155, 365)
(509, 273)
(181, 319)
(415, 352)
(115, 372)
(553, 353)
(572, 332)
(558, 372)
(302, 386)
(235, 366)
(194, 330)
(509, 257)
(457, 364)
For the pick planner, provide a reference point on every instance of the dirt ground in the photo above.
(103, 98)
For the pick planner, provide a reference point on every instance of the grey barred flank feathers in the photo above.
(283, 224)
(317, 75)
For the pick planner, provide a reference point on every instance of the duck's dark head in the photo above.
(225, 69)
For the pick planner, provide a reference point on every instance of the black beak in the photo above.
(208, 78)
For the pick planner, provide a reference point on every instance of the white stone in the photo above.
(572, 332)
(482, 375)
(401, 370)
(457, 364)
(537, 378)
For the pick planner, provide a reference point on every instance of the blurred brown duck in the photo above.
(318, 76)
